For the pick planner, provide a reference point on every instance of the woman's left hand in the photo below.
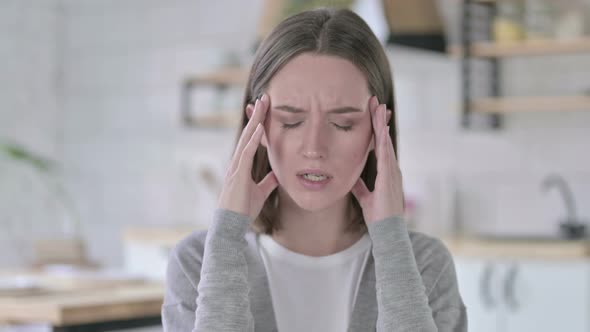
(386, 200)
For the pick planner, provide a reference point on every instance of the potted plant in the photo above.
(67, 247)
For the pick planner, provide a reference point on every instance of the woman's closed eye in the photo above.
(295, 125)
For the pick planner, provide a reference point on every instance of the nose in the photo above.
(314, 142)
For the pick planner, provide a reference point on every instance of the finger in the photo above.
(247, 157)
(378, 128)
(260, 108)
(390, 164)
(383, 115)
(382, 159)
(390, 146)
(259, 114)
(373, 103)
(268, 184)
(360, 190)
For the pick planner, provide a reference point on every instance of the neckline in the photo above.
(279, 252)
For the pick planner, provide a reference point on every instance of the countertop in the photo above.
(67, 300)
(466, 245)
(552, 249)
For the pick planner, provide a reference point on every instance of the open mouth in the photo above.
(314, 177)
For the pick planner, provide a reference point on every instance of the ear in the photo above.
(249, 112)
(388, 116)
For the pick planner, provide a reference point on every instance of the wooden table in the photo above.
(71, 304)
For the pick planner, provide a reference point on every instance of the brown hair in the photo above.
(323, 31)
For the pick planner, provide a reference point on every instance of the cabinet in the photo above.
(516, 295)
(477, 47)
(147, 250)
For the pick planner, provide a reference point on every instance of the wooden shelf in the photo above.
(225, 76)
(531, 104)
(219, 79)
(524, 48)
(225, 119)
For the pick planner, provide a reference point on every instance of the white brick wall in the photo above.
(29, 115)
(129, 159)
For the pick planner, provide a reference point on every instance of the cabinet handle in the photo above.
(509, 296)
(484, 287)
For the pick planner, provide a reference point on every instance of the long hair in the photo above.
(340, 33)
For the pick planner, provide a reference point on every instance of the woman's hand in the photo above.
(240, 193)
(386, 200)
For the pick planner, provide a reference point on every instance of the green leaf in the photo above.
(22, 154)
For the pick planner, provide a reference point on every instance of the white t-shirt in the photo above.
(313, 293)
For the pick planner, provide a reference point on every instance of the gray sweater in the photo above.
(216, 281)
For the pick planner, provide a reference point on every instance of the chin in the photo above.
(312, 204)
(315, 201)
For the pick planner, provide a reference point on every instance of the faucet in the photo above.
(571, 227)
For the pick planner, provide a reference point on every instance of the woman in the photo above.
(309, 233)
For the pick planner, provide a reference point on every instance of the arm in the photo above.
(222, 302)
(178, 310)
(402, 299)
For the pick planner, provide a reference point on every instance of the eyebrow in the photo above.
(338, 110)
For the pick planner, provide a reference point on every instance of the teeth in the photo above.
(313, 177)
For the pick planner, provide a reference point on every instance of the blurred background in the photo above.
(118, 117)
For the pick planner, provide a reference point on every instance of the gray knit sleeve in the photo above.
(411, 297)
(218, 280)
(223, 303)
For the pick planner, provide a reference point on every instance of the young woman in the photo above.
(309, 233)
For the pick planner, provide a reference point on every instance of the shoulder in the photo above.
(189, 251)
(429, 247)
(185, 259)
(433, 258)
(183, 271)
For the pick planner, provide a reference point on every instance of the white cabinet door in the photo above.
(547, 296)
(477, 280)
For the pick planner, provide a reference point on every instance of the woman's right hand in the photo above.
(240, 193)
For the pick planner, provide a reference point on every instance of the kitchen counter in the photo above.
(458, 245)
(66, 302)
(162, 236)
(555, 249)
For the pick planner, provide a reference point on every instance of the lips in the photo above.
(314, 171)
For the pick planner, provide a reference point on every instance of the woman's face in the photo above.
(318, 119)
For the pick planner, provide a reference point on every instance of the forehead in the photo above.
(322, 78)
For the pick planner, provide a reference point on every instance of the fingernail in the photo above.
(264, 97)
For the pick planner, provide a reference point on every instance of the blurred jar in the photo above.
(508, 23)
(571, 23)
(540, 17)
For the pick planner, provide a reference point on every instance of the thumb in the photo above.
(268, 184)
(360, 190)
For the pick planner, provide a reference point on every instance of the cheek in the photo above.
(277, 148)
(352, 152)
